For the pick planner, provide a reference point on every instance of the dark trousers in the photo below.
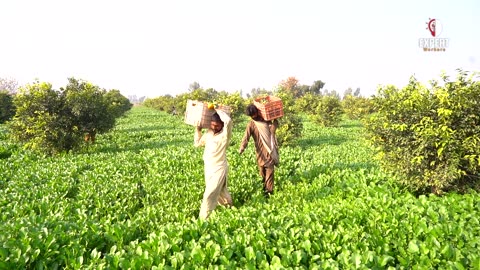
(267, 174)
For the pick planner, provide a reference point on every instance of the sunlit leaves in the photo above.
(131, 201)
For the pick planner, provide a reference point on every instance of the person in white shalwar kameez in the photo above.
(216, 141)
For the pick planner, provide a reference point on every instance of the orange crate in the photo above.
(197, 113)
(270, 107)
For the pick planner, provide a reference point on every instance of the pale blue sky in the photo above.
(154, 48)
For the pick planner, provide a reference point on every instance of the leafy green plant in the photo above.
(132, 199)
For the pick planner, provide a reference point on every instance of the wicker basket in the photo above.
(197, 113)
(270, 107)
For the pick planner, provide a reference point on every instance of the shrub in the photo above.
(328, 112)
(7, 109)
(56, 121)
(168, 103)
(163, 103)
(357, 107)
(291, 124)
(429, 138)
(307, 103)
(235, 101)
(41, 121)
(117, 104)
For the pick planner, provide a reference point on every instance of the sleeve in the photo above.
(227, 123)
(198, 139)
(246, 137)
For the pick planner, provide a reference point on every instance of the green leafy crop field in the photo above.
(132, 201)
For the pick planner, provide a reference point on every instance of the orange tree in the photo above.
(429, 137)
(56, 120)
(7, 110)
(291, 124)
(356, 107)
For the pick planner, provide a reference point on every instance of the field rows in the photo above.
(131, 201)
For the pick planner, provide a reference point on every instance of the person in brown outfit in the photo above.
(266, 146)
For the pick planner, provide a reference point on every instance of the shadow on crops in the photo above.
(351, 124)
(306, 143)
(242, 197)
(326, 169)
(141, 145)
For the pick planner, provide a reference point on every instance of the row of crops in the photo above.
(132, 201)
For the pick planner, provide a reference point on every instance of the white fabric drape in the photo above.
(216, 165)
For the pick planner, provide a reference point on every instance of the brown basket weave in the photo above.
(198, 114)
(271, 109)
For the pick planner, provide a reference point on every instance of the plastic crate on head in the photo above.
(270, 107)
(198, 114)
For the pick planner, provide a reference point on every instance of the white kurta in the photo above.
(216, 165)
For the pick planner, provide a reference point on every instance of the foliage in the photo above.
(234, 100)
(299, 90)
(6, 147)
(131, 202)
(163, 103)
(203, 95)
(357, 107)
(40, 121)
(200, 94)
(357, 92)
(328, 112)
(7, 109)
(316, 87)
(290, 85)
(430, 138)
(332, 93)
(255, 92)
(307, 104)
(9, 85)
(291, 124)
(88, 107)
(178, 103)
(55, 121)
(194, 86)
(117, 104)
(181, 102)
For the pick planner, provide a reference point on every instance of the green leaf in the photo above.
(459, 266)
(3, 253)
(385, 259)
(249, 253)
(276, 261)
(413, 247)
(357, 260)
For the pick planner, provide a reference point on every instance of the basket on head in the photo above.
(270, 107)
(198, 114)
